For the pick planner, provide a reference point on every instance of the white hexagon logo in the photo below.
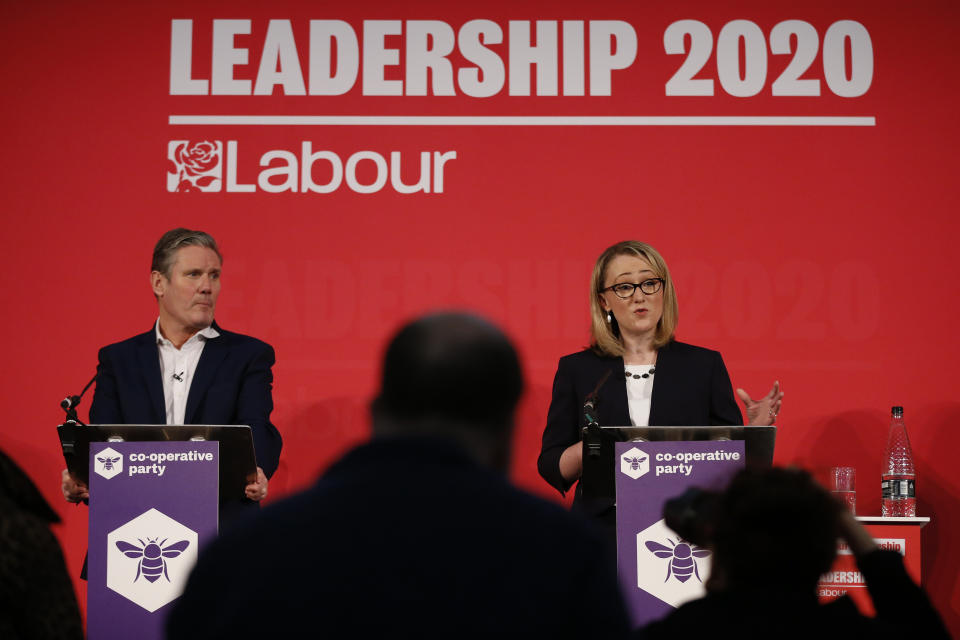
(108, 463)
(634, 463)
(670, 568)
(149, 559)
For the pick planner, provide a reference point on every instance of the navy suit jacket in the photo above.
(691, 387)
(232, 385)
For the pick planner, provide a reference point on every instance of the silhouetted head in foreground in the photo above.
(772, 528)
(451, 375)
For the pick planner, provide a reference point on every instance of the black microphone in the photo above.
(590, 404)
(591, 433)
(178, 376)
(70, 403)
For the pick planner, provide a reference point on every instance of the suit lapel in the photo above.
(613, 406)
(214, 351)
(150, 366)
(661, 385)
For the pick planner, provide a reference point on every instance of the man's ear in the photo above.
(158, 282)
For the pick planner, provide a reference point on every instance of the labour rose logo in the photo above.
(196, 166)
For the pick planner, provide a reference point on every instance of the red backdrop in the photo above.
(822, 256)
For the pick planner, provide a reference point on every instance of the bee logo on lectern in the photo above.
(683, 558)
(152, 556)
(634, 463)
(108, 462)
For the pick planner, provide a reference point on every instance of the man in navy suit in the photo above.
(417, 534)
(186, 369)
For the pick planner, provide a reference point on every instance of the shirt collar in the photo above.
(207, 333)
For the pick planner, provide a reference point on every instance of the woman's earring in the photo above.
(609, 317)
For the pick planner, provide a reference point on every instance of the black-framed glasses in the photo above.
(625, 290)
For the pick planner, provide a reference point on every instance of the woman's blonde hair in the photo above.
(605, 336)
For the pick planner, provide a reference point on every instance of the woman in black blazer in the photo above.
(651, 378)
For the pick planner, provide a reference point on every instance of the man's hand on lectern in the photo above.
(73, 490)
(257, 491)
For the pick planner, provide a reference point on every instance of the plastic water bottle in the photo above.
(898, 490)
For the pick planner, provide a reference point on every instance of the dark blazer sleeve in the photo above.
(562, 428)
(105, 406)
(255, 404)
(723, 406)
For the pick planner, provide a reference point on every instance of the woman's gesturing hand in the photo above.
(763, 411)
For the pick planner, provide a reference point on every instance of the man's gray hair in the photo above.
(164, 254)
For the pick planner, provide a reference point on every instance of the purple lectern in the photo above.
(153, 505)
(658, 570)
(643, 467)
(155, 493)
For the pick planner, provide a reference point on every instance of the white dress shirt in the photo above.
(177, 367)
(639, 393)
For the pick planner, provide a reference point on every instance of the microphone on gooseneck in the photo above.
(70, 403)
(591, 432)
(590, 404)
